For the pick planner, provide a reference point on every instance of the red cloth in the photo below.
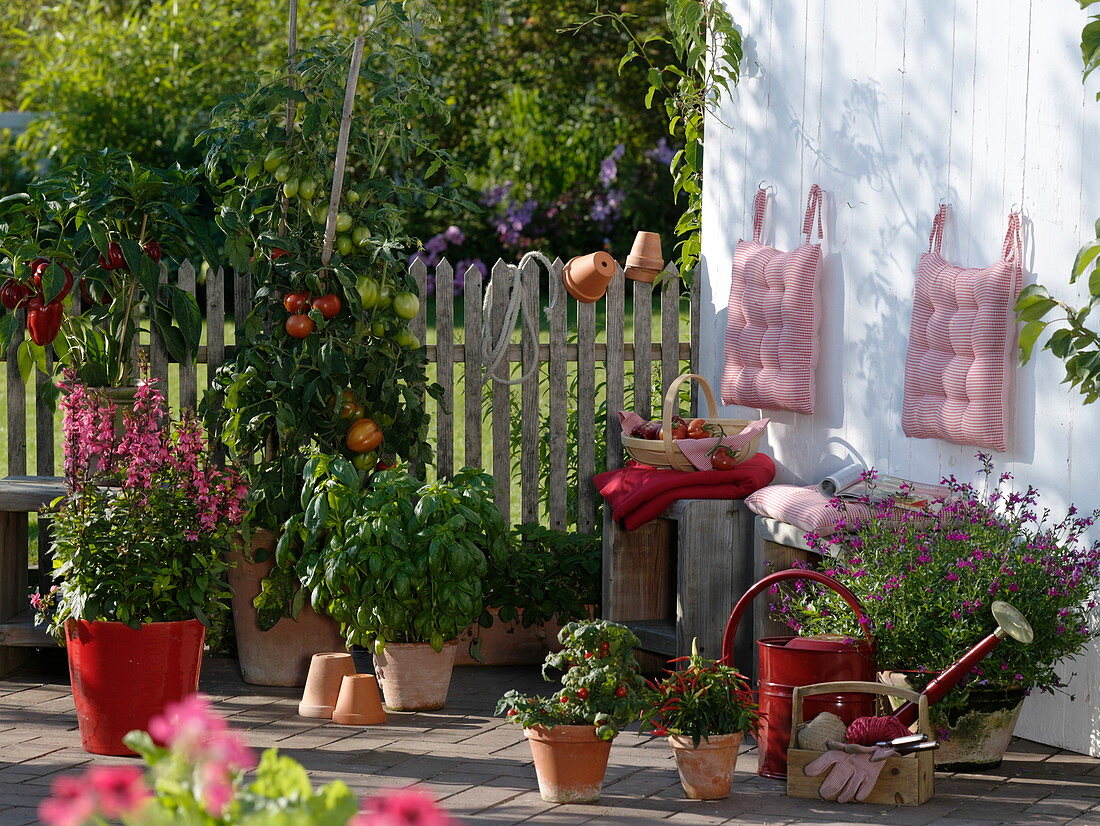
(638, 493)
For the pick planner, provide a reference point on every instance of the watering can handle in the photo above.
(791, 573)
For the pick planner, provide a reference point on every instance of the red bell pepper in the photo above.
(40, 267)
(43, 320)
(153, 250)
(14, 293)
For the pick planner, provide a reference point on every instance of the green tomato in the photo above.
(282, 174)
(307, 188)
(274, 159)
(406, 305)
(254, 168)
(385, 297)
(343, 222)
(343, 244)
(361, 236)
(351, 196)
(406, 338)
(368, 293)
(290, 188)
(320, 213)
(365, 461)
(378, 329)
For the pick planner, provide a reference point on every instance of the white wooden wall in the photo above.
(891, 106)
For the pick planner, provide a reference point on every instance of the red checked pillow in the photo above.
(772, 319)
(958, 369)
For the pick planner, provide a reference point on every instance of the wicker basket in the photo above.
(663, 453)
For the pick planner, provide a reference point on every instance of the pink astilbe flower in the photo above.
(407, 807)
(109, 792)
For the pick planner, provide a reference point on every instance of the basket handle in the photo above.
(791, 573)
(671, 406)
(801, 692)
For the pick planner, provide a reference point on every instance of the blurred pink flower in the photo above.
(406, 807)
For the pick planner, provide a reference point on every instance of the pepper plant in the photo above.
(327, 363)
(401, 561)
(601, 685)
(102, 229)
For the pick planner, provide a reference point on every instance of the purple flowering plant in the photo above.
(140, 534)
(927, 572)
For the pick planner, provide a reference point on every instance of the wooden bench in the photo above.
(19, 496)
(679, 576)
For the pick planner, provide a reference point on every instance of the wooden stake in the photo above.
(342, 150)
(291, 104)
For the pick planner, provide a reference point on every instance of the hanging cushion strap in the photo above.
(759, 210)
(813, 215)
(935, 238)
(1012, 250)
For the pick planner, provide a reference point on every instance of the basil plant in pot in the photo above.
(571, 731)
(137, 550)
(704, 708)
(400, 565)
(95, 236)
(326, 361)
(928, 572)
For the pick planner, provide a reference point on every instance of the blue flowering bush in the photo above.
(927, 575)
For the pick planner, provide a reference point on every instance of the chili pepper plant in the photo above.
(100, 229)
(703, 699)
(601, 685)
(928, 572)
(328, 363)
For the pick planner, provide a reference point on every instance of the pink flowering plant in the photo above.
(139, 536)
(928, 572)
(195, 776)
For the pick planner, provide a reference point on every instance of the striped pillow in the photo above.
(772, 319)
(804, 507)
(958, 368)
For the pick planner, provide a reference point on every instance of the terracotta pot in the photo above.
(414, 676)
(570, 762)
(359, 703)
(646, 260)
(122, 677)
(975, 737)
(706, 770)
(586, 277)
(326, 672)
(281, 655)
(508, 643)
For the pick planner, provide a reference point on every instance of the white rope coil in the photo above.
(506, 325)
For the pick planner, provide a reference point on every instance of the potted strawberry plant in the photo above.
(138, 562)
(571, 731)
(327, 363)
(100, 229)
(704, 709)
(400, 565)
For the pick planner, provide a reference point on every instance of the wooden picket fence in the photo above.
(578, 367)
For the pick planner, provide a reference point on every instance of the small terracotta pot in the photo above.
(570, 762)
(706, 770)
(414, 676)
(646, 259)
(359, 703)
(586, 277)
(326, 671)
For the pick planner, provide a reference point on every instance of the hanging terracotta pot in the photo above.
(570, 762)
(280, 655)
(359, 703)
(706, 770)
(645, 260)
(326, 672)
(586, 277)
(122, 676)
(414, 676)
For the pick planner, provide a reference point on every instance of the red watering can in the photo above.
(787, 662)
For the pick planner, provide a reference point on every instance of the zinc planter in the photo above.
(414, 676)
(570, 762)
(706, 771)
(279, 656)
(122, 676)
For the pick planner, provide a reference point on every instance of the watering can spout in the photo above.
(1010, 623)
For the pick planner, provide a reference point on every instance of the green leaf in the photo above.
(280, 778)
(1028, 336)
(1086, 257)
(1034, 307)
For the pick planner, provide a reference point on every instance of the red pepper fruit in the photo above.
(564, 698)
(14, 293)
(43, 320)
(153, 250)
(621, 691)
(582, 693)
(40, 267)
(115, 260)
(86, 294)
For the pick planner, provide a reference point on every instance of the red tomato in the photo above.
(295, 302)
(698, 429)
(582, 693)
(299, 326)
(723, 458)
(363, 436)
(622, 691)
(329, 305)
(679, 431)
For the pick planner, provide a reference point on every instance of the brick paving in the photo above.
(481, 768)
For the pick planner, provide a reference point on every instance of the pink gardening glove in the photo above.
(854, 770)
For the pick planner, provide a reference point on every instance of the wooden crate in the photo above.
(905, 781)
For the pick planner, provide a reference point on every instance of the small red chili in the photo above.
(621, 691)
(564, 698)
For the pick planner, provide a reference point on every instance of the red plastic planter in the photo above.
(123, 676)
